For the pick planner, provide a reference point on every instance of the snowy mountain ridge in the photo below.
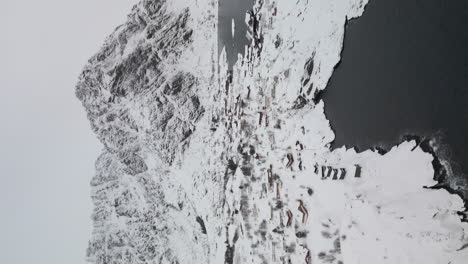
(202, 164)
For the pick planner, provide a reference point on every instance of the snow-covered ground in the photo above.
(207, 165)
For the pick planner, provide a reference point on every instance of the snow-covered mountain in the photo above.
(203, 164)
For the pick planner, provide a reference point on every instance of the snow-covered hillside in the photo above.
(203, 164)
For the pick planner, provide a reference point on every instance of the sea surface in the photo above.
(404, 70)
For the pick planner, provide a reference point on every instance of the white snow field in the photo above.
(207, 165)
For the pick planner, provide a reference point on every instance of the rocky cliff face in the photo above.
(143, 100)
(202, 164)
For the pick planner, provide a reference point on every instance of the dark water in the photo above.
(404, 70)
(228, 10)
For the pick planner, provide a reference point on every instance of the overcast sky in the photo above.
(47, 149)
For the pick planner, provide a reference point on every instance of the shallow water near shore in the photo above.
(233, 10)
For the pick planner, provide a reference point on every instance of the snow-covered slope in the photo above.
(207, 165)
